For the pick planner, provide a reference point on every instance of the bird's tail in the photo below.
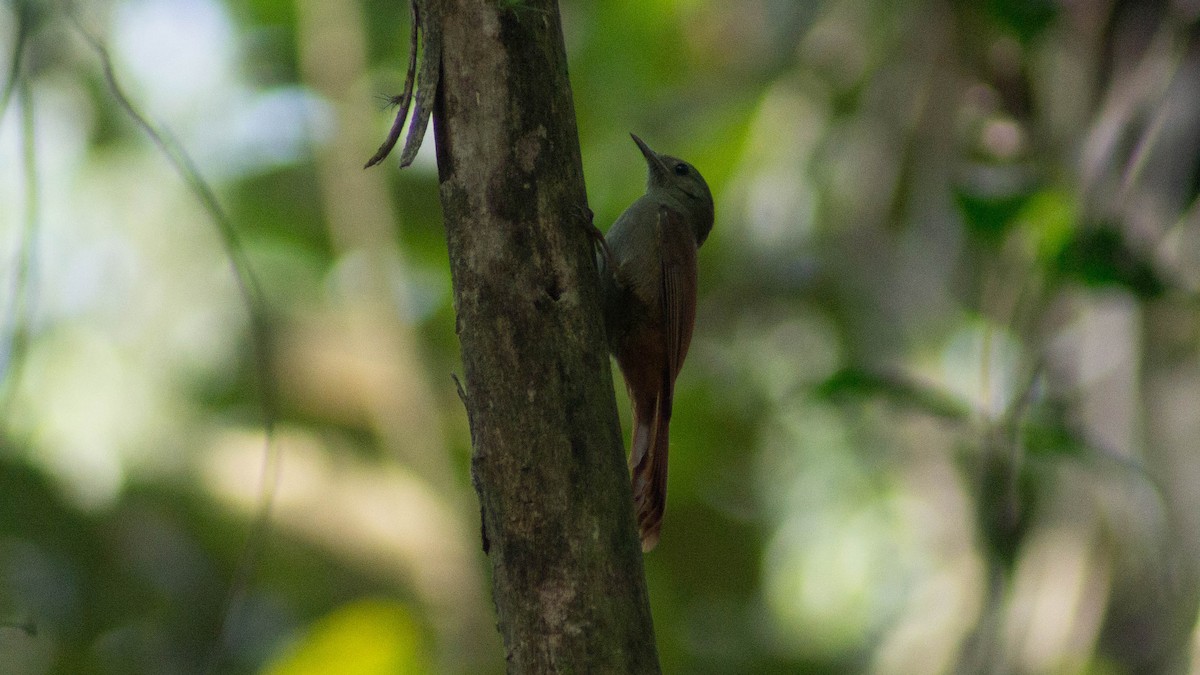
(648, 465)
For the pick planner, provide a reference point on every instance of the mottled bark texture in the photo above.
(548, 462)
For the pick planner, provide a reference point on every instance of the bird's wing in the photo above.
(678, 248)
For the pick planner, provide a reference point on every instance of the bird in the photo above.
(649, 283)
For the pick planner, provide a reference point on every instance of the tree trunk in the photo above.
(548, 462)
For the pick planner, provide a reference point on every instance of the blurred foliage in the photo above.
(362, 638)
(939, 414)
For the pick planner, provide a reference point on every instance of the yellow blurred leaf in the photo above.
(367, 637)
(1050, 216)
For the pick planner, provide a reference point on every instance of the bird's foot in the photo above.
(586, 216)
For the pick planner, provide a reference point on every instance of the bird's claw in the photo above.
(588, 218)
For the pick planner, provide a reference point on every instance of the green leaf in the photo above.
(1026, 19)
(1100, 256)
(1045, 433)
(859, 383)
(1050, 216)
(988, 216)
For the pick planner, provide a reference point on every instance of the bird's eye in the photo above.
(681, 169)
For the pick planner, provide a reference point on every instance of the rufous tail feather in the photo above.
(648, 464)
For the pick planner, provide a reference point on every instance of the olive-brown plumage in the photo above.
(650, 309)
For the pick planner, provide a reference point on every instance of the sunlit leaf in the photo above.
(1049, 216)
(367, 637)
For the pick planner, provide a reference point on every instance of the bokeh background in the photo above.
(941, 413)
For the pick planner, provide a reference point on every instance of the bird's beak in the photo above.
(653, 160)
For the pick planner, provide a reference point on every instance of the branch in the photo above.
(424, 19)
